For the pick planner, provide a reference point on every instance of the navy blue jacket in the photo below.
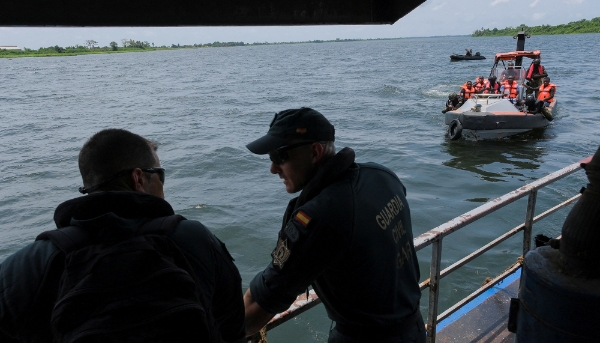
(349, 235)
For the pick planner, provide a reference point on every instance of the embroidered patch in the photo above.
(303, 218)
(281, 253)
(291, 231)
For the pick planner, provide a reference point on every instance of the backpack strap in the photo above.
(161, 226)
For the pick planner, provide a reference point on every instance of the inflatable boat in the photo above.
(455, 57)
(489, 116)
(493, 116)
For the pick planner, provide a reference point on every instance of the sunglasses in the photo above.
(280, 155)
(158, 170)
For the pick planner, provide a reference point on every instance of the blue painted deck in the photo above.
(485, 318)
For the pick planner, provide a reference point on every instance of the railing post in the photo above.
(529, 222)
(434, 282)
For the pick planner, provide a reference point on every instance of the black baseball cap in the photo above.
(303, 123)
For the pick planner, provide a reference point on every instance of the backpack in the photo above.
(124, 287)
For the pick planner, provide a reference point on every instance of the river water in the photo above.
(203, 105)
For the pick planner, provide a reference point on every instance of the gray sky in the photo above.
(432, 18)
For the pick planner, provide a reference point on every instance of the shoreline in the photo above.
(59, 51)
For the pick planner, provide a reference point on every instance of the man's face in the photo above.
(546, 82)
(469, 84)
(297, 170)
(511, 79)
(154, 186)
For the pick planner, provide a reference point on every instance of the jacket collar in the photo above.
(123, 204)
(328, 174)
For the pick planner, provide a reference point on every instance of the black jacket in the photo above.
(29, 278)
(349, 235)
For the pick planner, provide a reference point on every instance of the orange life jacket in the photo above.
(540, 70)
(479, 87)
(511, 89)
(545, 92)
(495, 88)
(468, 92)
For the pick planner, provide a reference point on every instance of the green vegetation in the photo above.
(581, 26)
(129, 45)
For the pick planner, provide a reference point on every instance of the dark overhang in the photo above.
(202, 12)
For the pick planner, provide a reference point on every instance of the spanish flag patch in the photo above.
(303, 218)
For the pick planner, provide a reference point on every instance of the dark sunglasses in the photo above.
(280, 155)
(160, 171)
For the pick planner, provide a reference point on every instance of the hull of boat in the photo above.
(464, 57)
(495, 119)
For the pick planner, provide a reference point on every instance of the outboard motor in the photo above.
(559, 294)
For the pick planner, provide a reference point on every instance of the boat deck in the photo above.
(484, 319)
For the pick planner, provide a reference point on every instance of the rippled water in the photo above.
(202, 106)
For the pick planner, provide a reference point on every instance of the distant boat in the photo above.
(477, 56)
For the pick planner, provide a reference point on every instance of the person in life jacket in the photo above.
(510, 89)
(546, 91)
(467, 90)
(479, 84)
(510, 71)
(536, 73)
(491, 86)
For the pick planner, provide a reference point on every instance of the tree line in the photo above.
(581, 26)
(91, 46)
(129, 45)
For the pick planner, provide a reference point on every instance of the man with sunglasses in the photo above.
(124, 181)
(348, 235)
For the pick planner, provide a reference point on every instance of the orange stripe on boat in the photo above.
(302, 218)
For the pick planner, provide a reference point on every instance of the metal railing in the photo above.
(435, 238)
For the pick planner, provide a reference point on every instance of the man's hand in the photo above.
(256, 317)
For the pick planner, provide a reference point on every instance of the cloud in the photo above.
(539, 15)
(535, 3)
(574, 2)
(498, 2)
(439, 7)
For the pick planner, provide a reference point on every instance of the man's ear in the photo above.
(138, 180)
(318, 152)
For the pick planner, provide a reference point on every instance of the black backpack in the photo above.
(123, 287)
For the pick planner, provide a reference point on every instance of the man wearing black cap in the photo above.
(348, 234)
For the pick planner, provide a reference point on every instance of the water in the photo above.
(202, 106)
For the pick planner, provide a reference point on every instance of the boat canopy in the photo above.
(101, 13)
(506, 56)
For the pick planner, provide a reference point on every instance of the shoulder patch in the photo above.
(281, 253)
(291, 231)
(302, 218)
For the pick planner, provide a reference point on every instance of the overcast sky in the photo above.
(432, 18)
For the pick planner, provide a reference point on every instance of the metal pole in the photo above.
(434, 282)
(529, 222)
